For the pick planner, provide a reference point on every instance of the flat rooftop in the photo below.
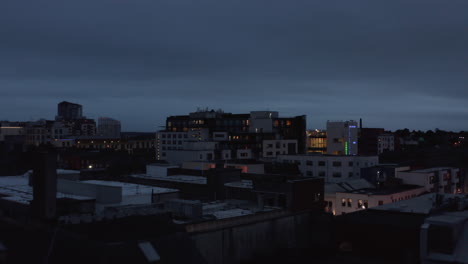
(175, 178)
(16, 188)
(347, 185)
(325, 155)
(133, 189)
(385, 191)
(232, 208)
(432, 169)
(244, 184)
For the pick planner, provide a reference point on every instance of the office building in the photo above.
(342, 137)
(215, 135)
(436, 180)
(69, 111)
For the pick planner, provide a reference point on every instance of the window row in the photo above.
(174, 136)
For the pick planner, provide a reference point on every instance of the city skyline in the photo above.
(394, 64)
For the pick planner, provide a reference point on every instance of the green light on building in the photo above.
(346, 148)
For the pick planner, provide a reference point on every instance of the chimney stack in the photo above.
(44, 181)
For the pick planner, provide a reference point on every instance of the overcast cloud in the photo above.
(395, 63)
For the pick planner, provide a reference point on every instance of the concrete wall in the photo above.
(102, 194)
(244, 241)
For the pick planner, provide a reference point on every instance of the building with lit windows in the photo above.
(316, 141)
(386, 142)
(215, 135)
(346, 199)
(342, 137)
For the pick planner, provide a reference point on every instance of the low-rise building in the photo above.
(332, 168)
(438, 179)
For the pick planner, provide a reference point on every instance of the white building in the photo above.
(331, 167)
(342, 137)
(354, 195)
(386, 142)
(438, 180)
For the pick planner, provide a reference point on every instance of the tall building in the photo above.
(69, 111)
(108, 127)
(342, 137)
(215, 135)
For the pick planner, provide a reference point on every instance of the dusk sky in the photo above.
(394, 63)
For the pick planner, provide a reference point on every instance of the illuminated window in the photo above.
(343, 202)
(350, 202)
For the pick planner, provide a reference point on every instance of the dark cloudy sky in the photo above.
(394, 63)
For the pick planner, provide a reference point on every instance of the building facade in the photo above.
(436, 180)
(215, 135)
(386, 142)
(317, 141)
(342, 137)
(356, 200)
(331, 167)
